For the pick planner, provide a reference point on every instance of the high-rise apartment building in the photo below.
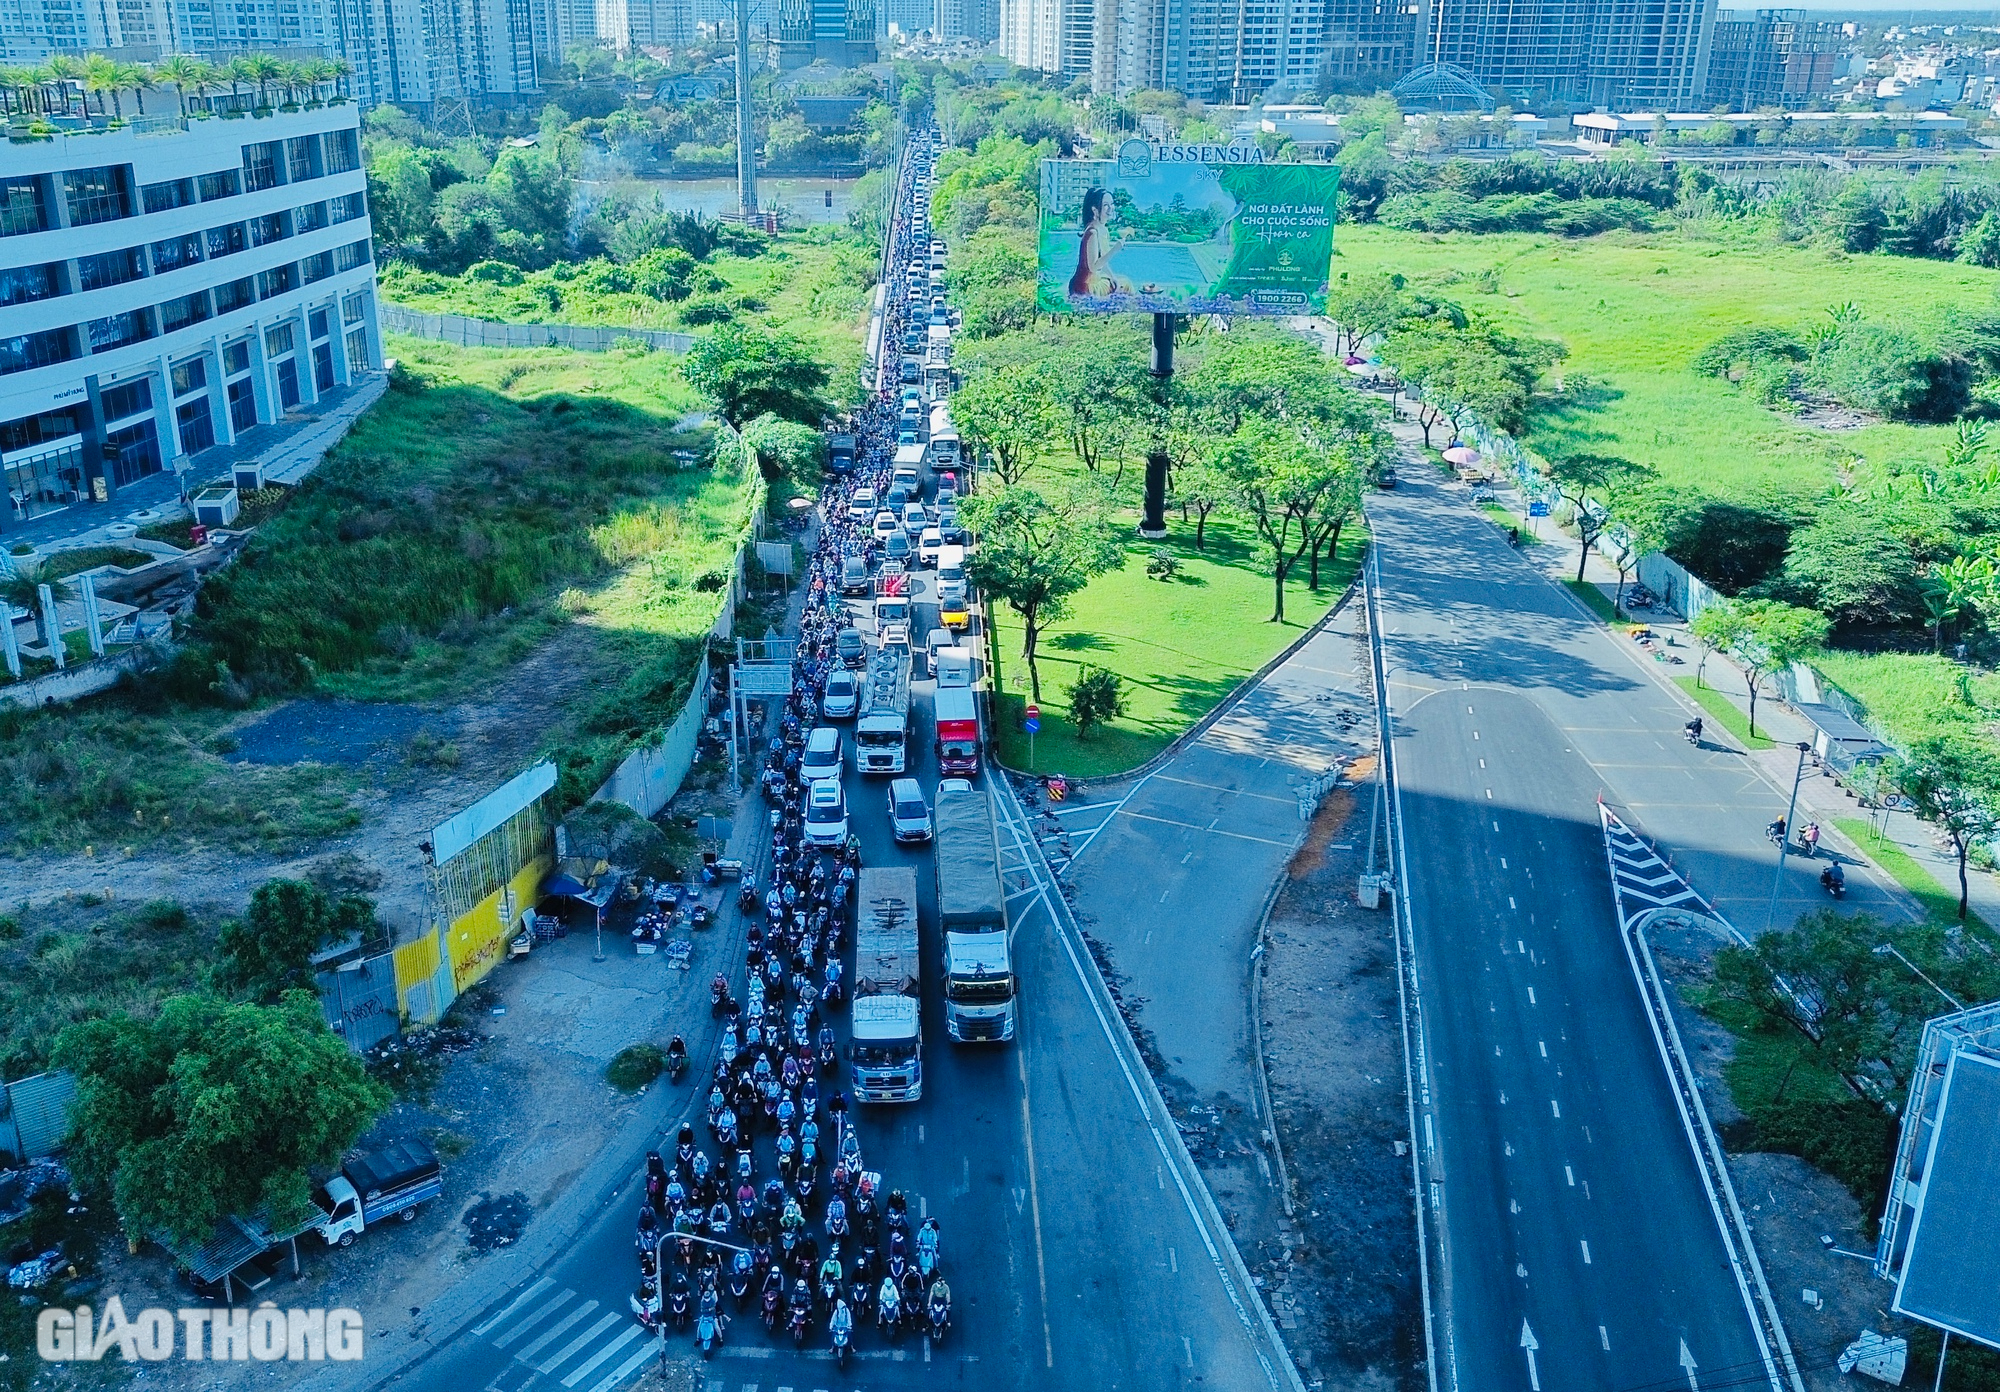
(167, 291)
(840, 32)
(1771, 58)
(1622, 54)
(978, 20)
(31, 30)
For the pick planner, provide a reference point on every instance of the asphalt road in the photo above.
(1075, 1254)
(1570, 1213)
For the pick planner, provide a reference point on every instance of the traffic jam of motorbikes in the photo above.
(770, 1212)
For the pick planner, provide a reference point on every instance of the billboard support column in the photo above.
(1153, 522)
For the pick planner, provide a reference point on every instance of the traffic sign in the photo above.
(1034, 718)
(1538, 509)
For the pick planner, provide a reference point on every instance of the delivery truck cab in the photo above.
(396, 1180)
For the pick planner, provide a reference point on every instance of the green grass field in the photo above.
(1634, 308)
(1181, 644)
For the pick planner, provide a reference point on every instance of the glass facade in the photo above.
(109, 268)
(22, 206)
(23, 352)
(176, 252)
(195, 426)
(260, 166)
(97, 195)
(226, 184)
(133, 451)
(24, 284)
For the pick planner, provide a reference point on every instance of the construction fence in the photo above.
(485, 333)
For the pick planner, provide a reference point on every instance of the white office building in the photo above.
(164, 290)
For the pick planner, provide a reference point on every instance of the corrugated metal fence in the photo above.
(484, 333)
(34, 1114)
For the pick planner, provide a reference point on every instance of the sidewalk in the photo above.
(1820, 797)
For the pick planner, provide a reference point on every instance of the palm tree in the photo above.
(21, 592)
(338, 71)
(262, 69)
(35, 89)
(65, 72)
(138, 79)
(181, 72)
(290, 77)
(102, 75)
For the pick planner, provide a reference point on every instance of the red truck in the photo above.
(957, 731)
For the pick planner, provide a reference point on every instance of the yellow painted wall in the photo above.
(477, 941)
(416, 964)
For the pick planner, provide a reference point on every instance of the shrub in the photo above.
(1095, 697)
(1890, 371)
(1745, 348)
(635, 1067)
(1162, 564)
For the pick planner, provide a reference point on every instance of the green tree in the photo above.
(1011, 415)
(1096, 697)
(24, 592)
(1963, 582)
(1586, 482)
(1953, 782)
(269, 950)
(1717, 628)
(786, 448)
(1773, 636)
(1854, 569)
(1278, 479)
(1038, 552)
(747, 370)
(1856, 219)
(211, 1108)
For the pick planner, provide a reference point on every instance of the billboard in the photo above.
(1185, 229)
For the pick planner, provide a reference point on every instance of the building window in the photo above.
(176, 252)
(278, 341)
(23, 284)
(277, 280)
(309, 218)
(109, 268)
(350, 206)
(196, 426)
(236, 357)
(260, 166)
(343, 152)
(226, 184)
(323, 366)
(354, 308)
(174, 193)
(134, 451)
(316, 323)
(188, 309)
(357, 350)
(191, 375)
(117, 330)
(97, 195)
(126, 399)
(22, 208)
(242, 405)
(267, 229)
(225, 241)
(302, 156)
(235, 295)
(316, 267)
(353, 255)
(26, 351)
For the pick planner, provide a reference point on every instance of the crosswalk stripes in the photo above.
(589, 1348)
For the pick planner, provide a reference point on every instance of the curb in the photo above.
(1229, 701)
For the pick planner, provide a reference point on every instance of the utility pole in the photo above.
(746, 144)
(1153, 521)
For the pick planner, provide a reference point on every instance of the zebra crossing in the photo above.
(560, 1339)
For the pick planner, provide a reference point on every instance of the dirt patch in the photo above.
(496, 1222)
(350, 733)
(1791, 1206)
(1342, 1282)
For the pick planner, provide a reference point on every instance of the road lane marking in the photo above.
(623, 1370)
(1475, 734)
(1569, 1175)
(534, 1317)
(1482, 763)
(1531, 995)
(1586, 1251)
(1604, 1338)
(1174, 1261)
(1522, 948)
(541, 1284)
(1035, 1203)
(1188, 1344)
(1503, 862)
(1553, 1108)
(574, 1346)
(1512, 905)
(1489, 795)
(1218, 788)
(1164, 893)
(1190, 826)
(632, 1332)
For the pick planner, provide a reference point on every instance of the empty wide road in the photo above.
(1569, 1202)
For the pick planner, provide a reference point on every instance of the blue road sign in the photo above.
(1538, 509)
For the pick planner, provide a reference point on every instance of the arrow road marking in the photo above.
(1687, 1363)
(1020, 1197)
(1530, 1344)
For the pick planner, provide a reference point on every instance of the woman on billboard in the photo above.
(1093, 254)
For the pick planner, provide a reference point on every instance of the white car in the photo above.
(823, 759)
(909, 814)
(826, 815)
(954, 785)
(862, 507)
(841, 697)
(894, 635)
(928, 546)
(936, 641)
(886, 525)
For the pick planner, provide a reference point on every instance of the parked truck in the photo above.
(887, 1053)
(840, 452)
(391, 1182)
(979, 985)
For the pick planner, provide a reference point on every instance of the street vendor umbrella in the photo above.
(1361, 369)
(1459, 454)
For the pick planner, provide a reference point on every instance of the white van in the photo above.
(822, 759)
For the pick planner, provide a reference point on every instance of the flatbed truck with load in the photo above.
(882, 722)
(980, 986)
(887, 1053)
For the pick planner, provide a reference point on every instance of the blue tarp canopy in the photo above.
(564, 885)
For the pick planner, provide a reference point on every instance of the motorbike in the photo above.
(718, 995)
(1692, 732)
(842, 1328)
(940, 1313)
(677, 1302)
(1834, 881)
(747, 897)
(677, 1059)
(708, 1332)
(1775, 832)
(739, 1278)
(648, 1311)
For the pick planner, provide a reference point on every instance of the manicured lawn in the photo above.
(1634, 308)
(1723, 712)
(1181, 644)
(1940, 904)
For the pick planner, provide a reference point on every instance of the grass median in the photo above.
(1940, 904)
(1723, 712)
(1182, 644)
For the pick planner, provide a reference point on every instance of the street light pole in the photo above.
(1888, 949)
(1785, 841)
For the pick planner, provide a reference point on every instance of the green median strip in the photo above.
(1940, 904)
(1723, 711)
(1598, 602)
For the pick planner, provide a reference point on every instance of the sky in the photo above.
(1984, 14)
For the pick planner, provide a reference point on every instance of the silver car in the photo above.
(909, 814)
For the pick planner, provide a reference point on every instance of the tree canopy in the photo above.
(1037, 552)
(747, 370)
